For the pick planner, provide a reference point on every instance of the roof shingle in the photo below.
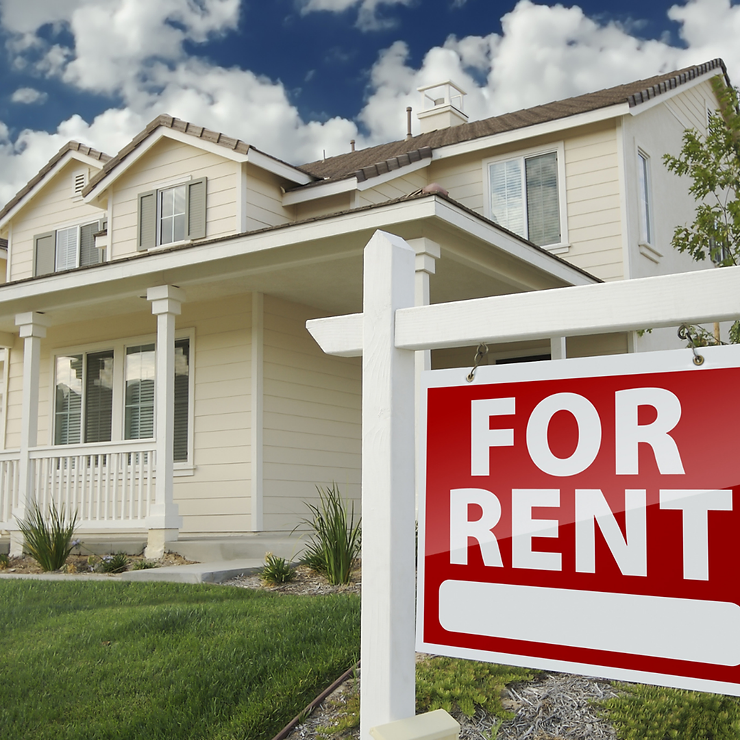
(633, 93)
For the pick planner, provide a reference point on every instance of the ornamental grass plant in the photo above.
(336, 541)
(48, 539)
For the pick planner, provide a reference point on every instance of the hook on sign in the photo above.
(480, 354)
(684, 332)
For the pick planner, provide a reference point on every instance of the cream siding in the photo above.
(312, 417)
(462, 178)
(166, 163)
(392, 189)
(264, 200)
(690, 106)
(323, 206)
(593, 202)
(52, 208)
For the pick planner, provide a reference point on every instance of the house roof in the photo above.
(70, 146)
(376, 160)
(183, 127)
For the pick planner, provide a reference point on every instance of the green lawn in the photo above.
(116, 660)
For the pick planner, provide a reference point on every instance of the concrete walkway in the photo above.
(215, 572)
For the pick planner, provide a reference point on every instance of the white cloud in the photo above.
(136, 50)
(545, 53)
(27, 96)
(368, 15)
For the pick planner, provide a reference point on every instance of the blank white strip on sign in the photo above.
(653, 626)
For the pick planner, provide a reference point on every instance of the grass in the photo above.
(656, 713)
(123, 661)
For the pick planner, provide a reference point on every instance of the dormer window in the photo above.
(172, 214)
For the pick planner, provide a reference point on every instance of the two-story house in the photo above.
(158, 376)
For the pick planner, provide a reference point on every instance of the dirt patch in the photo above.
(86, 564)
(307, 582)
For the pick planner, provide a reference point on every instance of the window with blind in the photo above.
(85, 400)
(83, 409)
(65, 249)
(525, 197)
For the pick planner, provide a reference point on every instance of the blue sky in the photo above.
(297, 77)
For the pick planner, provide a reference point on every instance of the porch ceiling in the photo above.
(317, 263)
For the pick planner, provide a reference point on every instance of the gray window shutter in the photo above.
(89, 254)
(147, 233)
(43, 253)
(196, 209)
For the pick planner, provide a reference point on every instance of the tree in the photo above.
(713, 164)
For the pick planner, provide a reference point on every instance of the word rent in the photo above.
(475, 512)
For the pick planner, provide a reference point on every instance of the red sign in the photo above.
(583, 516)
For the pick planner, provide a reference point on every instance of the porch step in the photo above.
(240, 547)
(208, 572)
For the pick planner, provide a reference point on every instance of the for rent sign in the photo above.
(583, 515)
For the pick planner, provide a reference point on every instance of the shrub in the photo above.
(335, 545)
(277, 570)
(117, 563)
(4, 561)
(48, 543)
(144, 565)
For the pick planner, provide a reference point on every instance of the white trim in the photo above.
(256, 482)
(241, 197)
(683, 87)
(624, 210)
(264, 161)
(559, 148)
(65, 159)
(529, 132)
(389, 216)
(646, 217)
(320, 191)
(9, 253)
(393, 174)
(350, 184)
(281, 169)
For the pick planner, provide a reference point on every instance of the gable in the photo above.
(165, 164)
(53, 206)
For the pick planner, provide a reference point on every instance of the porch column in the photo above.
(32, 327)
(164, 517)
(427, 254)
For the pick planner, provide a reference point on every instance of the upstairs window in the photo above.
(65, 249)
(173, 214)
(525, 197)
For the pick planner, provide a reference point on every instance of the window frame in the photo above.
(98, 224)
(119, 346)
(521, 155)
(148, 214)
(646, 241)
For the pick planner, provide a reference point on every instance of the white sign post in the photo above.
(386, 335)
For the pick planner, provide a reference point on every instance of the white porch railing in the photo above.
(107, 484)
(8, 486)
(103, 483)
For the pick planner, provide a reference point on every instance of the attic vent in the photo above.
(78, 183)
